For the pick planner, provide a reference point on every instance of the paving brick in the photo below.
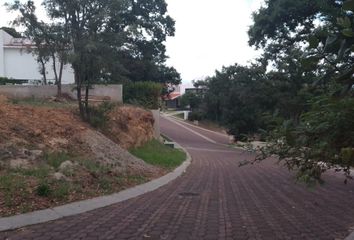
(215, 199)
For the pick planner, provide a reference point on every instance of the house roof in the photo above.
(171, 96)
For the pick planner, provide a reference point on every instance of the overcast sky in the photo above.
(209, 34)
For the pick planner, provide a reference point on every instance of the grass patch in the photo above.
(62, 190)
(40, 172)
(55, 159)
(12, 186)
(156, 153)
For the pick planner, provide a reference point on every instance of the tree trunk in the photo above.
(56, 75)
(87, 102)
(59, 92)
(43, 71)
(79, 95)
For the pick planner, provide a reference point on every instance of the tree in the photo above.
(192, 100)
(320, 137)
(12, 32)
(50, 40)
(105, 40)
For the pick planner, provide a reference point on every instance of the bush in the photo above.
(145, 94)
(323, 139)
(43, 190)
(4, 81)
(191, 100)
(196, 116)
(55, 159)
(99, 115)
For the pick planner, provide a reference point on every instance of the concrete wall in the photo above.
(114, 92)
(157, 131)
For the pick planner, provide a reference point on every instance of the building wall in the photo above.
(2, 53)
(18, 62)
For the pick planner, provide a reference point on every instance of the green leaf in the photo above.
(348, 5)
(314, 41)
(344, 22)
(330, 41)
(342, 50)
(310, 62)
(348, 32)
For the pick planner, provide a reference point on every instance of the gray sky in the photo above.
(209, 34)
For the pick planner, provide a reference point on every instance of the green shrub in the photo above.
(145, 94)
(99, 115)
(4, 81)
(43, 190)
(62, 190)
(55, 159)
(196, 116)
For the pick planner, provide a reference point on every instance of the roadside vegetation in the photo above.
(49, 156)
(298, 96)
(158, 154)
(58, 178)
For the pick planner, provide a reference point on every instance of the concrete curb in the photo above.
(350, 237)
(42, 216)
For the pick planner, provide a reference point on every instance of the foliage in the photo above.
(4, 81)
(99, 115)
(237, 97)
(323, 140)
(55, 159)
(158, 154)
(299, 93)
(12, 32)
(145, 94)
(43, 190)
(191, 100)
(320, 138)
(196, 116)
(106, 41)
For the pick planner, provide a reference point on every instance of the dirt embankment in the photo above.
(49, 157)
(62, 130)
(130, 126)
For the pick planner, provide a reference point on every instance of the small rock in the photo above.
(67, 165)
(34, 154)
(41, 146)
(58, 142)
(37, 132)
(19, 163)
(59, 176)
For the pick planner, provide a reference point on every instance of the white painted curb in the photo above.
(19, 221)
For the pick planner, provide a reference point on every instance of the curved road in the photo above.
(215, 199)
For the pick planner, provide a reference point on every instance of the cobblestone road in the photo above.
(215, 199)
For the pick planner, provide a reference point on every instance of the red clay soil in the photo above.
(44, 129)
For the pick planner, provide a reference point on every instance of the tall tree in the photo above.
(108, 39)
(50, 40)
(323, 30)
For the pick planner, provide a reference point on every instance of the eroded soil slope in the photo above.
(49, 156)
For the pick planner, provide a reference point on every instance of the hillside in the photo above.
(48, 156)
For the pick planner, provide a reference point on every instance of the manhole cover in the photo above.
(189, 194)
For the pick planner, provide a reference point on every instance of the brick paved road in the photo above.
(215, 199)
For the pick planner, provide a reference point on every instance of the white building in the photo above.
(17, 62)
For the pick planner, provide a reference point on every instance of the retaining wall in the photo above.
(114, 92)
